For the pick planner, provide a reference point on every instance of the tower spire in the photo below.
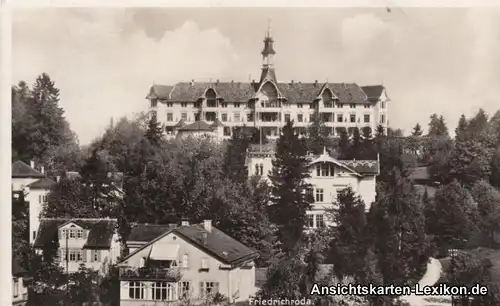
(268, 56)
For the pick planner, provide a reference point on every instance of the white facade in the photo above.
(191, 271)
(268, 103)
(328, 176)
(96, 259)
(36, 198)
(19, 291)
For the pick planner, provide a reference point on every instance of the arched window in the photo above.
(256, 169)
(261, 169)
(211, 98)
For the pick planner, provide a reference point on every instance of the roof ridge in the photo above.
(82, 219)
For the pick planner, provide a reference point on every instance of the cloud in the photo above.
(104, 65)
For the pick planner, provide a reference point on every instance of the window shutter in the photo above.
(84, 255)
(84, 234)
(217, 287)
(202, 288)
(98, 255)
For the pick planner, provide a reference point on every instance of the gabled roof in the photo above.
(327, 158)
(197, 126)
(363, 166)
(216, 243)
(100, 231)
(181, 123)
(217, 123)
(296, 92)
(159, 91)
(43, 183)
(147, 232)
(21, 170)
(373, 91)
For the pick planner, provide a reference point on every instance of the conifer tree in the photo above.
(318, 135)
(344, 144)
(234, 158)
(417, 130)
(350, 242)
(154, 132)
(290, 192)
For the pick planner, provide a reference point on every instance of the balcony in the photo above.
(150, 274)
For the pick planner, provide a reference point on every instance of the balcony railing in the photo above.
(158, 274)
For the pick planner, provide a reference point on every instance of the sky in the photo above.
(104, 60)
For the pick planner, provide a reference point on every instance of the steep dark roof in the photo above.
(215, 243)
(21, 170)
(115, 177)
(373, 91)
(362, 166)
(43, 183)
(100, 231)
(216, 123)
(181, 123)
(148, 232)
(296, 92)
(197, 126)
(159, 91)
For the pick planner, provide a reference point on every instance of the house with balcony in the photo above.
(20, 279)
(35, 185)
(169, 263)
(267, 104)
(328, 176)
(92, 242)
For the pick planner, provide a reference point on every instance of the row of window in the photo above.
(213, 103)
(77, 255)
(73, 234)
(259, 169)
(163, 291)
(300, 118)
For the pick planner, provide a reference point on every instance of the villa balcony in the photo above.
(150, 274)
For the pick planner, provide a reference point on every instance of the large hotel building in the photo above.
(215, 107)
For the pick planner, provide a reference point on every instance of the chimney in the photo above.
(207, 224)
(217, 82)
(32, 164)
(184, 222)
(42, 169)
(58, 178)
(291, 82)
(205, 236)
(315, 83)
(192, 82)
(253, 82)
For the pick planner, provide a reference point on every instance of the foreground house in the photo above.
(19, 288)
(92, 242)
(36, 186)
(170, 263)
(328, 176)
(269, 102)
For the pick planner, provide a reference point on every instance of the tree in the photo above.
(461, 130)
(350, 242)
(98, 186)
(67, 199)
(453, 216)
(235, 156)
(396, 224)
(318, 135)
(437, 126)
(495, 169)
(344, 144)
(488, 206)
(355, 145)
(290, 193)
(39, 130)
(154, 132)
(417, 130)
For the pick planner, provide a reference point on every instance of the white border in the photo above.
(6, 82)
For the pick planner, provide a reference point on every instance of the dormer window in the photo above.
(211, 98)
(325, 169)
(73, 233)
